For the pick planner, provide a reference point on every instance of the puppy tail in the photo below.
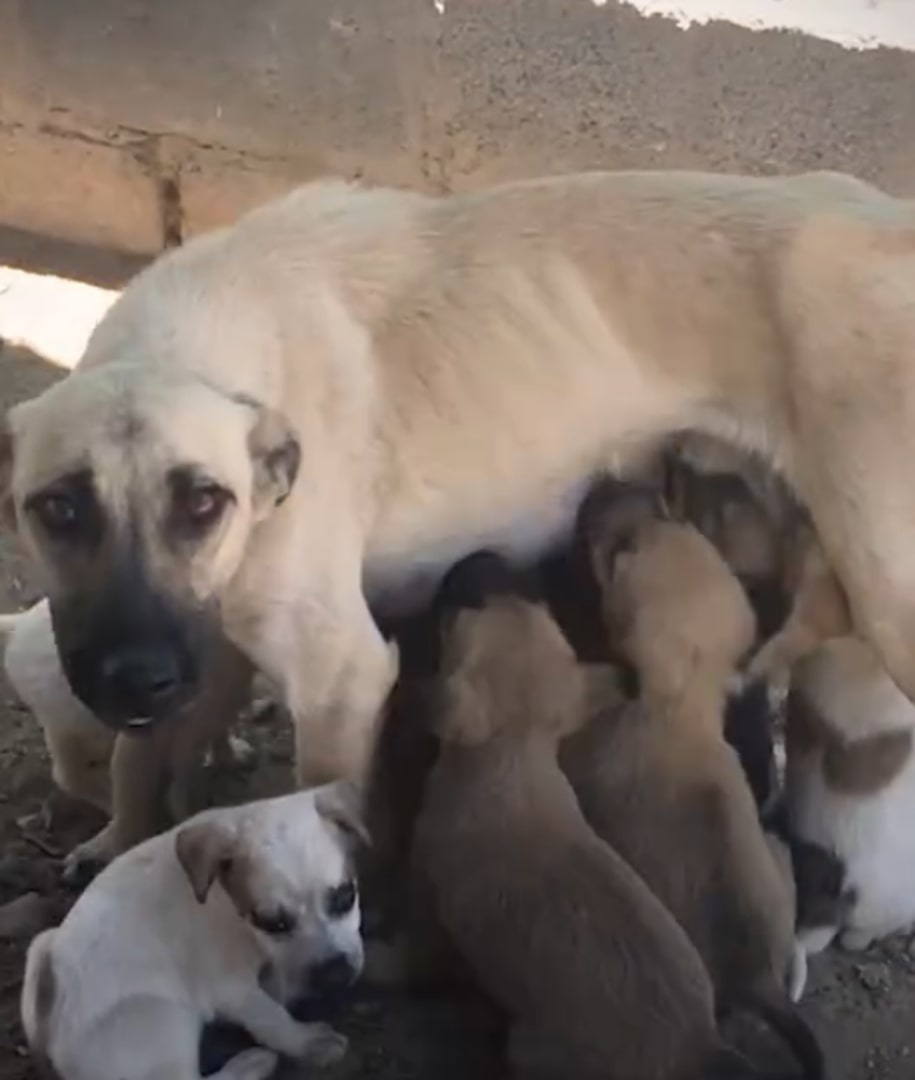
(786, 1021)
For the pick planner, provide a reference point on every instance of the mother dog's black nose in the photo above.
(144, 681)
(474, 580)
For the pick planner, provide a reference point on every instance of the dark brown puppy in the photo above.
(657, 780)
(596, 975)
(737, 504)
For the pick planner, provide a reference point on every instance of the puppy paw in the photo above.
(323, 1046)
(256, 1064)
(856, 940)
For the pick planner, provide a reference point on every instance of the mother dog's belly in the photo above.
(402, 586)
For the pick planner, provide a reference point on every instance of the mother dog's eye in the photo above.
(341, 900)
(275, 923)
(57, 513)
(200, 506)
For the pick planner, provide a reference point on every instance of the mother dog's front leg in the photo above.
(139, 767)
(857, 482)
(847, 303)
(336, 693)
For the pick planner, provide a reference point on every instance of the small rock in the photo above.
(21, 919)
(873, 977)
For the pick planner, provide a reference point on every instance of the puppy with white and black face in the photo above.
(850, 796)
(228, 917)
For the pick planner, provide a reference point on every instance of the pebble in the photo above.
(873, 977)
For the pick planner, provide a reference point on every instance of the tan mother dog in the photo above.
(321, 407)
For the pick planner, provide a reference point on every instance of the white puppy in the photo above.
(79, 745)
(850, 795)
(230, 916)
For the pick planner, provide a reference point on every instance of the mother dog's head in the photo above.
(136, 489)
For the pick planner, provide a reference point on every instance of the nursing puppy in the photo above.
(595, 974)
(658, 782)
(227, 917)
(738, 506)
(84, 752)
(285, 423)
(737, 503)
(850, 792)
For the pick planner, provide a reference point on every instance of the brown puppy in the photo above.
(738, 504)
(657, 780)
(598, 978)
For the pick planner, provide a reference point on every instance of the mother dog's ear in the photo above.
(276, 455)
(205, 851)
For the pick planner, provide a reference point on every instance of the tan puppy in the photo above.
(597, 977)
(740, 506)
(657, 780)
(319, 409)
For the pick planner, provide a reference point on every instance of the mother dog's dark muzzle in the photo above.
(144, 681)
(131, 659)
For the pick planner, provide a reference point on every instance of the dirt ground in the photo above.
(862, 1007)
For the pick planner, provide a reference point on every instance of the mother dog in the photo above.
(314, 412)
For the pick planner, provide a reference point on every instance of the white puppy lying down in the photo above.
(230, 916)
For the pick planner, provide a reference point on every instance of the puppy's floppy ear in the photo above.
(340, 803)
(204, 850)
(276, 455)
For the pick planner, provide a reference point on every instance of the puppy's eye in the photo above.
(57, 513)
(275, 923)
(341, 899)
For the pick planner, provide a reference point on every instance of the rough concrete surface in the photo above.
(215, 104)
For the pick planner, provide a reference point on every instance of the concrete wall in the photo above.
(134, 123)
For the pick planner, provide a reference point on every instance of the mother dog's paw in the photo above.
(88, 859)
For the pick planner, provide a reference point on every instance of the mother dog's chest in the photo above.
(402, 585)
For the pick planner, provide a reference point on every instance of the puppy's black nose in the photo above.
(474, 580)
(143, 681)
(332, 975)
